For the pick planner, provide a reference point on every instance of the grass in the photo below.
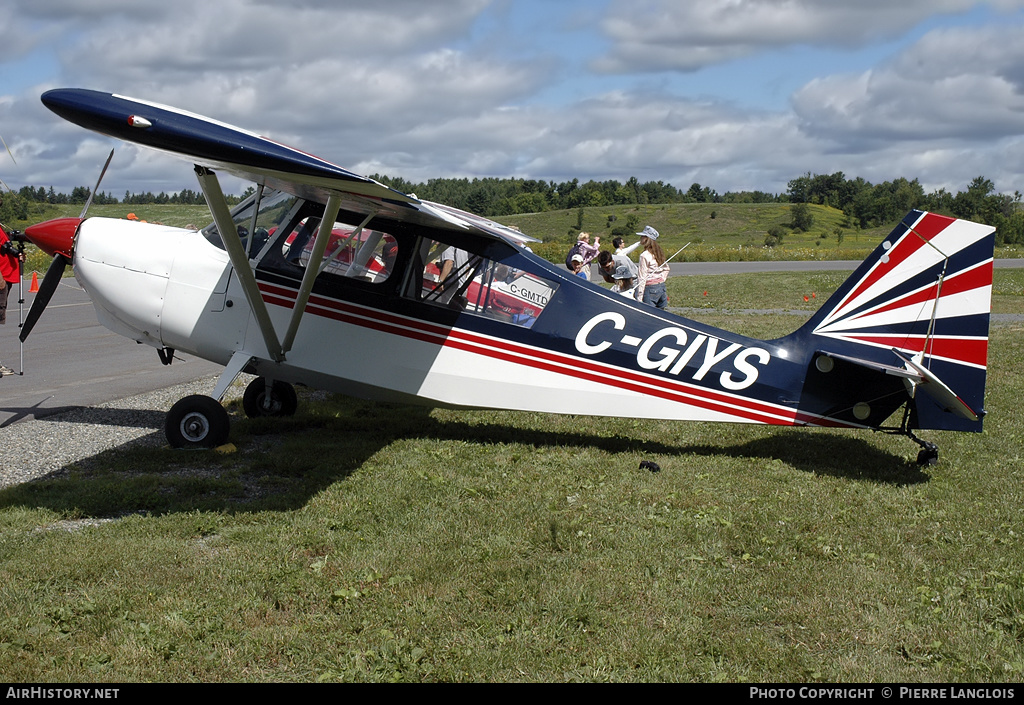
(714, 232)
(369, 542)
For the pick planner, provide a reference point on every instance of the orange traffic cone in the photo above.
(34, 287)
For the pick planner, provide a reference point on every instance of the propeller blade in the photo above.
(88, 201)
(46, 289)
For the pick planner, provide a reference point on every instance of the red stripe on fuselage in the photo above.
(740, 407)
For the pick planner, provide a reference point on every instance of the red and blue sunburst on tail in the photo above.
(924, 294)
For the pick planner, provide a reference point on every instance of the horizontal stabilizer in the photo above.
(916, 377)
(938, 390)
(877, 366)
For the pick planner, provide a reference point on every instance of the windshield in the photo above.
(256, 217)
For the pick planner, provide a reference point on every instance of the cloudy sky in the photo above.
(732, 94)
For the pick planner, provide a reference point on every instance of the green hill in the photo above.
(715, 231)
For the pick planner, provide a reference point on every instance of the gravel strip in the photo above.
(39, 447)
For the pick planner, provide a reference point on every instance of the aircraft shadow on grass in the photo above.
(210, 481)
(835, 456)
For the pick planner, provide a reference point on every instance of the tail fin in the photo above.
(924, 294)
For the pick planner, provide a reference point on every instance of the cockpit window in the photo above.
(352, 251)
(280, 232)
(448, 276)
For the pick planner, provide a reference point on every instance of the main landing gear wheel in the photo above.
(282, 401)
(197, 421)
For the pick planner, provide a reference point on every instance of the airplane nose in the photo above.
(54, 236)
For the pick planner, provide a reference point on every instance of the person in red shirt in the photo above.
(11, 258)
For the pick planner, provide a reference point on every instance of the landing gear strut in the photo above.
(929, 453)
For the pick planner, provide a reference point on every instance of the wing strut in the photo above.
(323, 236)
(342, 245)
(239, 259)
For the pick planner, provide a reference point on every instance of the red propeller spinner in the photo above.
(54, 236)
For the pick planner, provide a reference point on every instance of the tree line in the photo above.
(498, 197)
(864, 204)
(868, 205)
(18, 205)
(80, 194)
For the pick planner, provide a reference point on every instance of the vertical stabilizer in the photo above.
(924, 293)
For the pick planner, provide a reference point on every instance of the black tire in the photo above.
(283, 399)
(197, 421)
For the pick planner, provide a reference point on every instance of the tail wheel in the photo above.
(281, 400)
(929, 454)
(197, 421)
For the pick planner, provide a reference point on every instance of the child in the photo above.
(578, 268)
(624, 283)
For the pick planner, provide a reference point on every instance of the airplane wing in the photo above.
(221, 147)
(216, 146)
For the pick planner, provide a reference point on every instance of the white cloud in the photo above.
(663, 35)
(954, 84)
(420, 91)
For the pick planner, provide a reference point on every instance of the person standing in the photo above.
(620, 246)
(585, 250)
(653, 270)
(454, 260)
(588, 251)
(10, 274)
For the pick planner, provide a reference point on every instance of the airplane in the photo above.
(332, 280)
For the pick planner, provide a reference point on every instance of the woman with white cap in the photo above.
(653, 272)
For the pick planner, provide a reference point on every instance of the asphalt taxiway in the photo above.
(70, 360)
